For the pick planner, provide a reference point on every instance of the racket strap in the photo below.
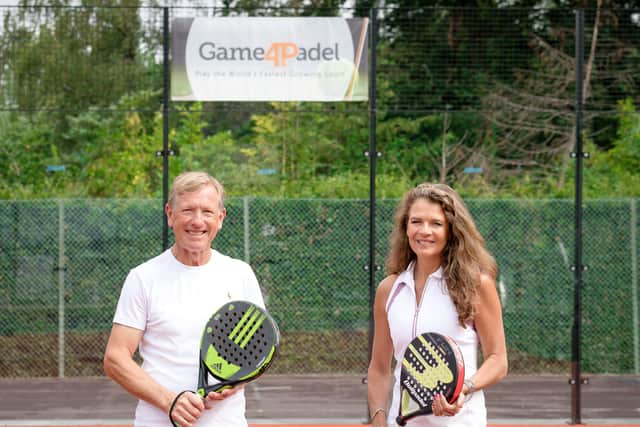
(173, 405)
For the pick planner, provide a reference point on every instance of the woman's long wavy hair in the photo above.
(464, 256)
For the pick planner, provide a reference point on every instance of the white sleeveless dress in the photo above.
(434, 311)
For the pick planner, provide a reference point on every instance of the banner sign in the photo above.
(269, 59)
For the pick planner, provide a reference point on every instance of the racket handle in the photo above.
(217, 388)
(400, 420)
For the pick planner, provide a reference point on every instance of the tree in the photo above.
(66, 59)
(614, 172)
(69, 58)
(533, 119)
(444, 53)
(118, 156)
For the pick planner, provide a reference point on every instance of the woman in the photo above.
(441, 279)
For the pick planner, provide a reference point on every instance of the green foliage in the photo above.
(304, 140)
(26, 149)
(317, 153)
(73, 58)
(230, 161)
(125, 166)
(611, 172)
(453, 55)
(345, 186)
(115, 155)
(70, 61)
(92, 68)
(614, 172)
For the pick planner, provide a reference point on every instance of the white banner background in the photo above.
(269, 59)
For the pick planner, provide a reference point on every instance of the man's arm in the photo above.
(120, 366)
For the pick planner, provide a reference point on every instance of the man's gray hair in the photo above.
(188, 182)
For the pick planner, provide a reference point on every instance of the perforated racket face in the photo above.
(238, 344)
(432, 364)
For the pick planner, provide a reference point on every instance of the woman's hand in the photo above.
(442, 408)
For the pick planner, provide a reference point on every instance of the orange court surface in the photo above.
(322, 400)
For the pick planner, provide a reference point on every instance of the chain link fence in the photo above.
(64, 261)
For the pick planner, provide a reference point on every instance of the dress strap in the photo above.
(395, 291)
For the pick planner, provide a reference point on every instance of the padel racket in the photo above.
(432, 364)
(238, 344)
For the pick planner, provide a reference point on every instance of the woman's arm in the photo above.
(379, 375)
(490, 327)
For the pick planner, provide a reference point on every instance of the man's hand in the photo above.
(185, 409)
(220, 395)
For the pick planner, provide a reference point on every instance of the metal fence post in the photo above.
(372, 154)
(247, 242)
(634, 286)
(165, 153)
(576, 379)
(61, 270)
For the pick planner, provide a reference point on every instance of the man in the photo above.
(164, 305)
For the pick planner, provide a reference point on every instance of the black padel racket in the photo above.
(238, 344)
(432, 364)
